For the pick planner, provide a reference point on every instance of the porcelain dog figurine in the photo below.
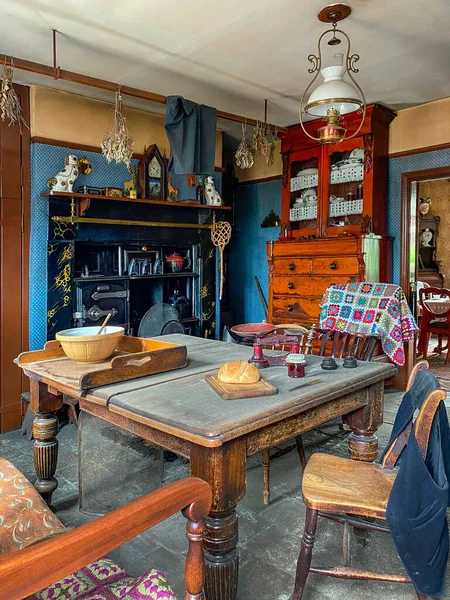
(64, 180)
(212, 195)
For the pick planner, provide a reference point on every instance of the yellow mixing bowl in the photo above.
(83, 345)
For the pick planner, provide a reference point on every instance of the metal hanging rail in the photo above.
(73, 220)
(57, 73)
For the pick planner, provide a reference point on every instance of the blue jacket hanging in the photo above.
(416, 511)
(191, 129)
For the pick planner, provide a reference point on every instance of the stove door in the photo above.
(96, 298)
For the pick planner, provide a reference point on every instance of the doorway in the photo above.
(14, 255)
(424, 227)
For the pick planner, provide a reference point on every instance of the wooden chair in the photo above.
(342, 344)
(338, 345)
(306, 337)
(433, 322)
(347, 490)
(26, 569)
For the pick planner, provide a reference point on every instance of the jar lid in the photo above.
(297, 359)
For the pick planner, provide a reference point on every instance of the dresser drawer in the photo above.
(296, 309)
(299, 266)
(339, 265)
(305, 286)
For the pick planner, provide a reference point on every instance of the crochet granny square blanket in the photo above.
(370, 308)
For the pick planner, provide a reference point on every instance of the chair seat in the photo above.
(104, 580)
(344, 485)
(24, 516)
(439, 324)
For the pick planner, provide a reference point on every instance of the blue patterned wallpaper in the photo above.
(46, 161)
(247, 253)
(397, 166)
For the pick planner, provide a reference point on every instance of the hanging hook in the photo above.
(55, 61)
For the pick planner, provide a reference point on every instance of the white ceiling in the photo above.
(231, 54)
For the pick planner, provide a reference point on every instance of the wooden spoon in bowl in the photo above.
(108, 316)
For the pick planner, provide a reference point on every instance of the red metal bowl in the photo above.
(252, 329)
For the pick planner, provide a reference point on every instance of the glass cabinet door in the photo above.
(346, 186)
(304, 191)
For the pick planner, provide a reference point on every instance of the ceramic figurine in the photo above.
(129, 186)
(64, 180)
(424, 206)
(173, 192)
(211, 194)
(425, 237)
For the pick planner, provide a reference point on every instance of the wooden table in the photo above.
(180, 412)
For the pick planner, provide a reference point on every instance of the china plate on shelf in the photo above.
(307, 172)
(357, 155)
(309, 197)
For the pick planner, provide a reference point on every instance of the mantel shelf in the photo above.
(161, 202)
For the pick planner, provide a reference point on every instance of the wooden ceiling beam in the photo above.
(103, 84)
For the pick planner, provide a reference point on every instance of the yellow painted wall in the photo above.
(260, 169)
(71, 118)
(420, 127)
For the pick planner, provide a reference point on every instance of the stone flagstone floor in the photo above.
(269, 536)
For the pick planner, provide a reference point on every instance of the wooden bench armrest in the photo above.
(27, 571)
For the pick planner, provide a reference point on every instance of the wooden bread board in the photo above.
(233, 391)
(135, 357)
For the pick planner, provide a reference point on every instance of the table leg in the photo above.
(45, 428)
(224, 468)
(364, 422)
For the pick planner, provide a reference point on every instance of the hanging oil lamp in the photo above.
(334, 97)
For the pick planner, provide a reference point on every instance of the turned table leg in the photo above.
(364, 422)
(224, 468)
(45, 429)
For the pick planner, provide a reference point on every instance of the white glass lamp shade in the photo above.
(333, 93)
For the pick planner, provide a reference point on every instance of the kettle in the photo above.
(180, 302)
(176, 262)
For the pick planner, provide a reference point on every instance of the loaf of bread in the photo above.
(238, 371)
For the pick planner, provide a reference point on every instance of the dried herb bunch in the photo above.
(9, 102)
(244, 156)
(117, 144)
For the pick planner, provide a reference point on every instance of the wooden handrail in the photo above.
(27, 571)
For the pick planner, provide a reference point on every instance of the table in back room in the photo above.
(179, 411)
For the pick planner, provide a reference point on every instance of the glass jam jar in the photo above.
(296, 365)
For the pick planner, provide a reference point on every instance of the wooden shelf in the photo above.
(163, 276)
(161, 202)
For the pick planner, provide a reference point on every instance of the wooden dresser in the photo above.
(334, 213)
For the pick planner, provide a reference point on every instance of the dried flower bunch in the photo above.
(263, 144)
(244, 156)
(9, 102)
(117, 144)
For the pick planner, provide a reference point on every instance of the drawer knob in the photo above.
(290, 307)
(291, 267)
(291, 285)
(333, 266)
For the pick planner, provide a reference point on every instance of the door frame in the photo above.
(407, 180)
(10, 413)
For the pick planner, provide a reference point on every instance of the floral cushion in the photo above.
(104, 580)
(24, 516)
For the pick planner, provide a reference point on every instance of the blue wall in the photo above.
(397, 166)
(247, 254)
(248, 248)
(46, 161)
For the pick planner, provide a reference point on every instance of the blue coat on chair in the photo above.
(419, 498)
